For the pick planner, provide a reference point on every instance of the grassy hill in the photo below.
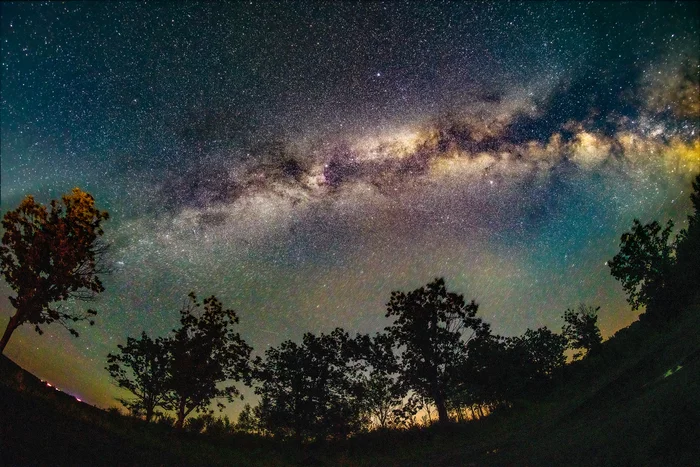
(636, 403)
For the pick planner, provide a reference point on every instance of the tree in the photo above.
(205, 351)
(383, 395)
(429, 327)
(545, 352)
(581, 330)
(309, 391)
(494, 374)
(644, 265)
(50, 255)
(142, 367)
(687, 275)
(248, 421)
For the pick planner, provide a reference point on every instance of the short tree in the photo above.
(429, 330)
(581, 330)
(50, 255)
(494, 374)
(545, 352)
(644, 264)
(248, 421)
(142, 367)
(205, 351)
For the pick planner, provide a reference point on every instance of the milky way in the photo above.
(301, 161)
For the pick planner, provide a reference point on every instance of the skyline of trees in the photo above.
(331, 386)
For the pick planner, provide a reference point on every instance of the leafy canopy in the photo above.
(429, 327)
(310, 391)
(644, 262)
(142, 367)
(581, 330)
(52, 254)
(205, 351)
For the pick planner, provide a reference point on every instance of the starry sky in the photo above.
(301, 160)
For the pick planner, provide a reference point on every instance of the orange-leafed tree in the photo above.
(50, 254)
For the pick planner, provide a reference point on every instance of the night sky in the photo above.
(302, 160)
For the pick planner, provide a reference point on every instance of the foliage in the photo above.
(544, 351)
(194, 424)
(428, 329)
(581, 330)
(142, 367)
(163, 419)
(644, 264)
(494, 374)
(383, 395)
(248, 421)
(654, 272)
(501, 369)
(50, 255)
(309, 391)
(687, 275)
(217, 426)
(205, 351)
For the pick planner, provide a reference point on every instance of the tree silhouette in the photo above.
(581, 330)
(544, 350)
(498, 370)
(142, 366)
(644, 265)
(687, 277)
(495, 372)
(205, 351)
(383, 394)
(429, 327)
(309, 391)
(50, 255)
(248, 420)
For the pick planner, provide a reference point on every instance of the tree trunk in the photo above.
(11, 326)
(149, 413)
(180, 423)
(441, 408)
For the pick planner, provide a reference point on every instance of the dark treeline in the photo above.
(436, 356)
(435, 361)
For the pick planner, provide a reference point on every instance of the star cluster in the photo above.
(301, 160)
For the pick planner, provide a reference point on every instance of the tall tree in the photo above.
(581, 330)
(205, 351)
(52, 254)
(644, 265)
(309, 391)
(687, 275)
(142, 367)
(430, 328)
